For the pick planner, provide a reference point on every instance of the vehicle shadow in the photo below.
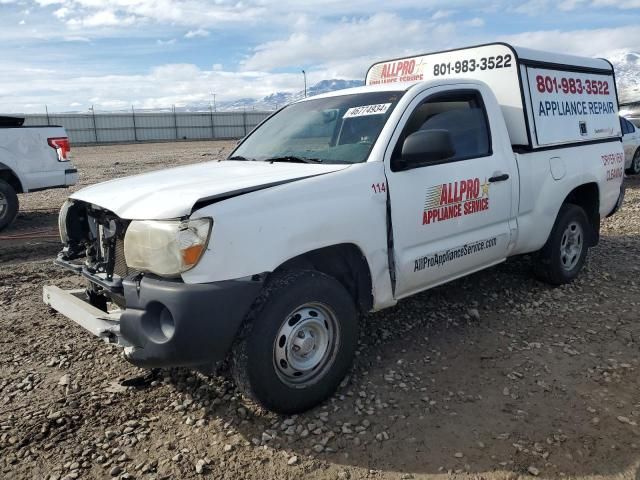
(493, 372)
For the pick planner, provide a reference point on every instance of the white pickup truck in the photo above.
(31, 159)
(442, 165)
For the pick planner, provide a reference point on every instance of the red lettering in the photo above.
(463, 190)
(443, 195)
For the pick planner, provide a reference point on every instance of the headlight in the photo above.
(168, 247)
(62, 222)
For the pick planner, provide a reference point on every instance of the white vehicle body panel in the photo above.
(265, 213)
(172, 193)
(631, 144)
(268, 227)
(25, 152)
(422, 241)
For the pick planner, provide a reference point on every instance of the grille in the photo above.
(120, 266)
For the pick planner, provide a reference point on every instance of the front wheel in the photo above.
(300, 342)
(564, 254)
(634, 169)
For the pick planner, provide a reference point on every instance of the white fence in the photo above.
(86, 129)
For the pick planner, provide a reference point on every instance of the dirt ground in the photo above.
(494, 376)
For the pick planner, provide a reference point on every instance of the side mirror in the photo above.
(427, 146)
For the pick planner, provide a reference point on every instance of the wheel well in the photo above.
(10, 177)
(587, 197)
(346, 263)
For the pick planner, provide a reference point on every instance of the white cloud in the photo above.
(61, 12)
(197, 33)
(102, 18)
(592, 43)
(440, 14)
(160, 87)
(292, 35)
(348, 41)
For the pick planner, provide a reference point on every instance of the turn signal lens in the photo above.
(191, 255)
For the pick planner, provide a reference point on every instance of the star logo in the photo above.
(485, 188)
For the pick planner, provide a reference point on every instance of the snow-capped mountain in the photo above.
(627, 67)
(279, 99)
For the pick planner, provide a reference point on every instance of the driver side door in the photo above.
(450, 216)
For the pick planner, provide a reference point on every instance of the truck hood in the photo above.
(174, 192)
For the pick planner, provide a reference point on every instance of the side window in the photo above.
(630, 127)
(623, 126)
(462, 114)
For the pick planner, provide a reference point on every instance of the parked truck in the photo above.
(442, 165)
(31, 159)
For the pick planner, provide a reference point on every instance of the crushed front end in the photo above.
(135, 296)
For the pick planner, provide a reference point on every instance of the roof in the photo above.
(560, 58)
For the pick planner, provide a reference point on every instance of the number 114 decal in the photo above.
(379, 187)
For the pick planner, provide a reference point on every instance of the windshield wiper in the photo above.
(240, 157)
(293, 159)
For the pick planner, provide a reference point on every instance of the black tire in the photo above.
(634, 169)
(8, 204)
(254, 355)
(552, 264)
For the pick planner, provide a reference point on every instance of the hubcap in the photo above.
(636, 163)
(306, 344)
(4, 204)
(571, 246)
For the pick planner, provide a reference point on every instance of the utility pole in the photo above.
(214, 101)
(95, 127)
(305, 83)
(135, 130)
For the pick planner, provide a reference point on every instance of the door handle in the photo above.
(499, 178)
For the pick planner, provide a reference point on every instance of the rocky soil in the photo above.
(495, 376)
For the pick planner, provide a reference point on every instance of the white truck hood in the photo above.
(173, 192)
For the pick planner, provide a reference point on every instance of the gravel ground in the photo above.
(494, 376)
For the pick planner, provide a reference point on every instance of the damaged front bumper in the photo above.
(73, 305)
(165, 323)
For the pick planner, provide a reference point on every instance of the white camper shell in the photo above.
(547, 99)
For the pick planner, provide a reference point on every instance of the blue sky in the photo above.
(70, 54)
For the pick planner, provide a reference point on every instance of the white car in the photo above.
(31, 159)
(631, 145)
(343, 203)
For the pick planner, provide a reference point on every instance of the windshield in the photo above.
(329, 130)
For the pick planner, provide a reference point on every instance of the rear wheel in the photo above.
(300, 342)
(634, 169)
(564, 254)
(8, 204)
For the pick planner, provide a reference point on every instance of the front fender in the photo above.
(259, 231)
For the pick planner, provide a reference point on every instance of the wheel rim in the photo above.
(4, 204)
(306, 344)
(571, 246)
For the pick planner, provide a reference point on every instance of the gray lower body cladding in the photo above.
(170, 323)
